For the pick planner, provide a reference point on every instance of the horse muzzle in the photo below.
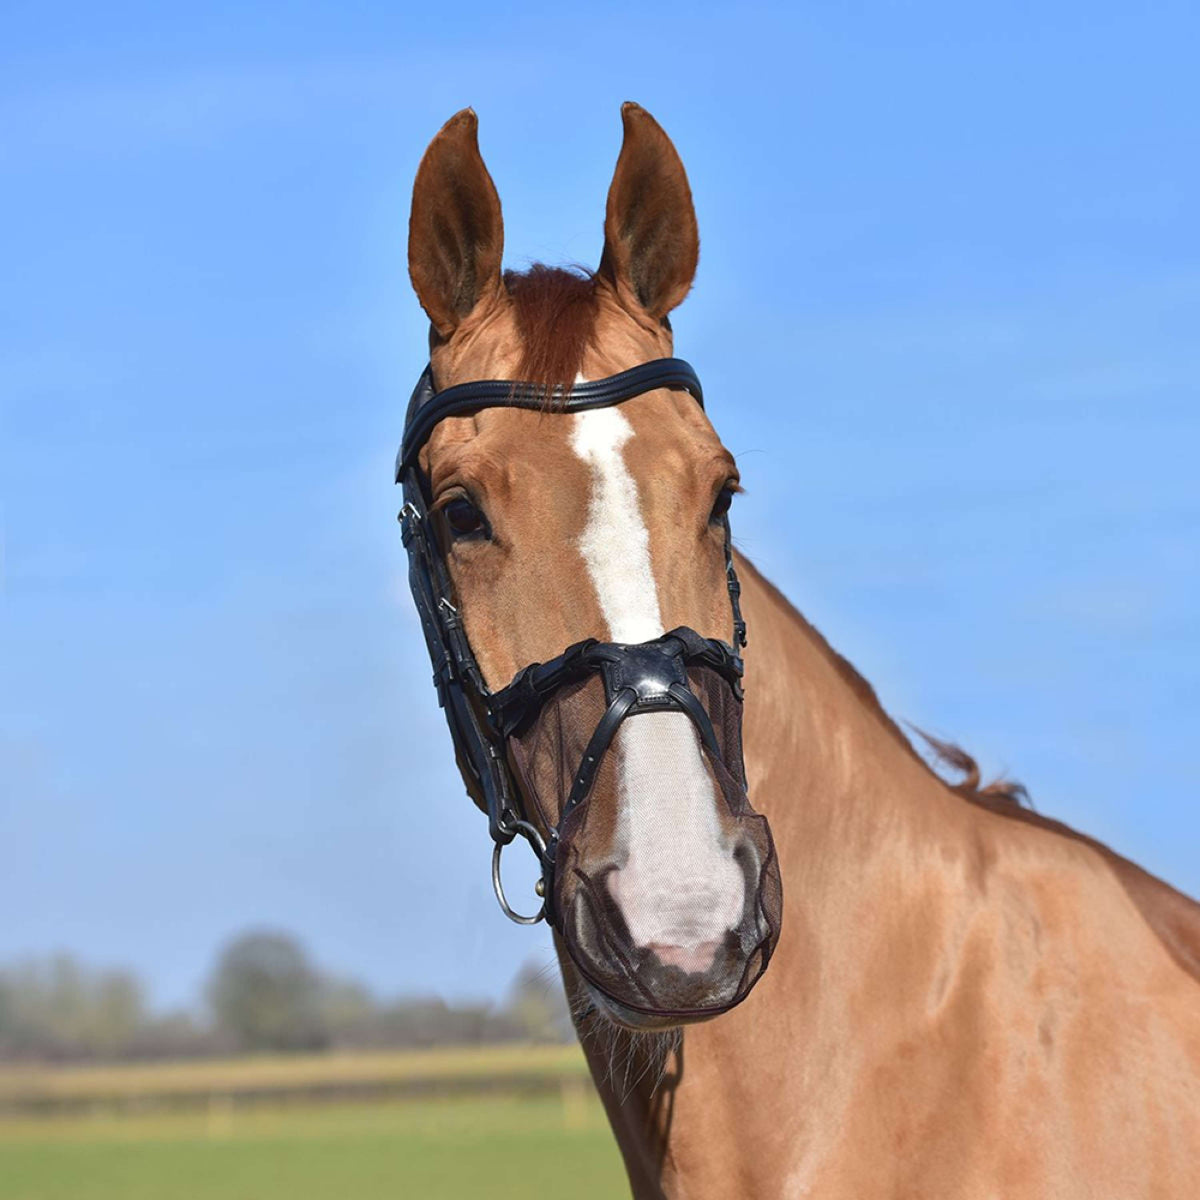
(661, 879)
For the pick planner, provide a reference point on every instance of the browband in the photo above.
(427, 406)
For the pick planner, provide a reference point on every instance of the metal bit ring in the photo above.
(539, 846)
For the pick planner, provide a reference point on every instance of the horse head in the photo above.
(568, 515)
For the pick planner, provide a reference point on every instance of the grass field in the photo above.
(441, 1148)
(556, 1144)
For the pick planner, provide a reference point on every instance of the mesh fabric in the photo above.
(663, 848)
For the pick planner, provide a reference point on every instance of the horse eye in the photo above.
(721, 504)
(464, 519)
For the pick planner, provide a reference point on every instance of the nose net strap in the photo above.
(694, 709)
(600, 741)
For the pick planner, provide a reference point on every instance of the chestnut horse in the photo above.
(967, 999)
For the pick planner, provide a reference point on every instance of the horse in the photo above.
(963, 998)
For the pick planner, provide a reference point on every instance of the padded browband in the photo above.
(428, 407)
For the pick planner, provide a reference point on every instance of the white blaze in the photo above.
(677, 883)
(615, 542)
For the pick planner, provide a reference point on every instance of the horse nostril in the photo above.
(695, 960)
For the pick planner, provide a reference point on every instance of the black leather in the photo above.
(600, 740)
(644, 677)
(648, 669)
(427, 406)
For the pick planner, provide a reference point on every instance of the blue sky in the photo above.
(946, 316)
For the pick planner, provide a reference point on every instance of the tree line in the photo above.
(264, 994)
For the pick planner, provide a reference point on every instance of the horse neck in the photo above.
(898, 894)
(843, 789)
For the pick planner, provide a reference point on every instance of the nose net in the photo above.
(666, 885)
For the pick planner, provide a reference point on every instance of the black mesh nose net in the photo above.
(664, 881)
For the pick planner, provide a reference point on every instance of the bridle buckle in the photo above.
(409, 520)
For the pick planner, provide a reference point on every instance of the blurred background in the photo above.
(946, 317)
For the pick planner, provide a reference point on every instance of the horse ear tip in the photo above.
(640, 122)
(464, 120)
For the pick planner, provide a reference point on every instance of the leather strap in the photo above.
(427, 406)
(604, 733)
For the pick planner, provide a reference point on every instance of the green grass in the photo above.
(496, 1147)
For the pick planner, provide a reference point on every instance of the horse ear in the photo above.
(651, 242)
(455, 232)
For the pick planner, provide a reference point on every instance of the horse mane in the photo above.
(1000, 791)
(1172, 916)
(555, 310)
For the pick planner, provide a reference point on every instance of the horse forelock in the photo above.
(555, 312)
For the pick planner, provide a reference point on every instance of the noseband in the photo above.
(645, 677)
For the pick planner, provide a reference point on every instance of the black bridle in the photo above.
(649, 676)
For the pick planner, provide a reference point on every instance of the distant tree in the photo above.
(58, 1007)
(176, 1034)
(265, 994)
(117, 1012)
(347, 1009)
(538, 1006)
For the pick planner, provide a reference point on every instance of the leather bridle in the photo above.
(649, 676)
